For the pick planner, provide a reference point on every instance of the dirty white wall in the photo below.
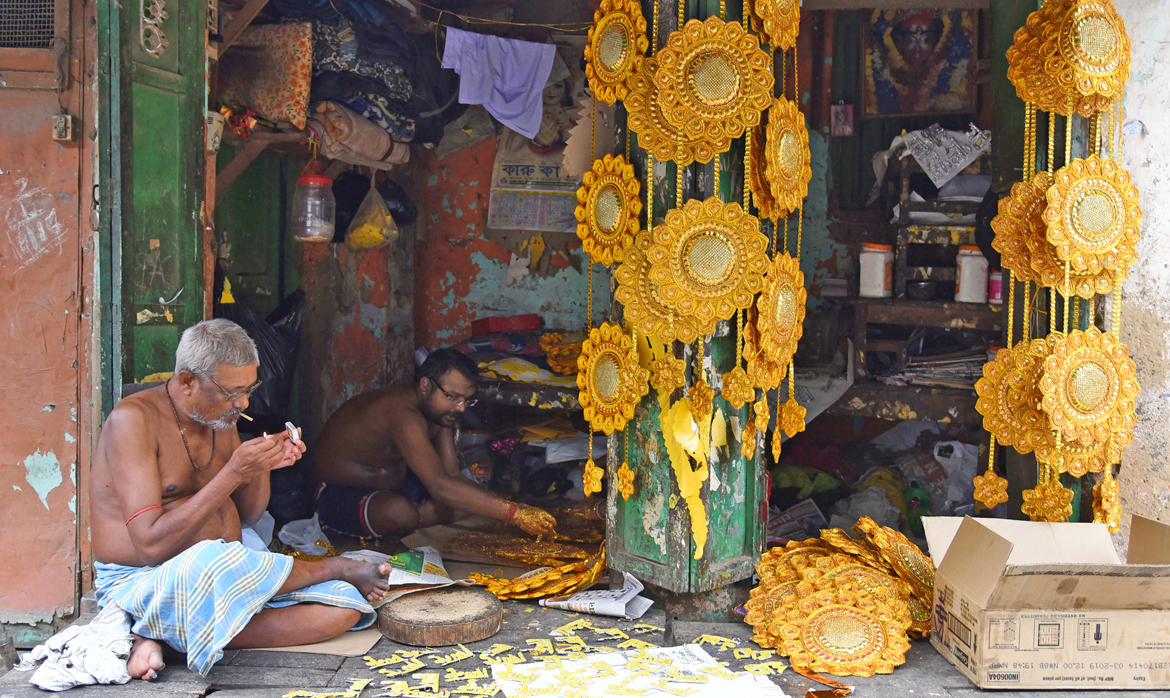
(1145, 474)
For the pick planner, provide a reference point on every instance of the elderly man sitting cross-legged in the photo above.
(170, 486)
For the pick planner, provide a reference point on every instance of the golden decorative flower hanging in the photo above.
(781, 310)
(792, 416)
(1093, 216)
(1106, 504)
(763, 414)
(779, 21)
(840, 631)
(1026, 66)
(990, 489)
(757, 175)
(615, 42)
(609, 377)
(625, 481)
(607, 217)
(668, 373)
(643, 307)
(789, 161)
(708, 259)
(1049, 502)
(1009, 396)
(748, 439)
(591, 477)
(1089, 387)
(1074, 458)
(701, 396)
(737, 388)
(763, 372)
(655, 134)
(713, 81)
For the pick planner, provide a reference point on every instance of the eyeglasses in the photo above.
(232, 397)
(468, 401)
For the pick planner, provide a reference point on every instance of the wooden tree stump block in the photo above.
(439, 617)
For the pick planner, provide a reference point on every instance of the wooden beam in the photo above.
(810, 5)
(252, 149)
(239, 23)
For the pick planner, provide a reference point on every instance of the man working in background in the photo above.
(387, 463)
(171, 484)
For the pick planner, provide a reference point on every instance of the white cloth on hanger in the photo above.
(506, 76)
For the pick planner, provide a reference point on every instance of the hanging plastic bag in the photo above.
(372, 225)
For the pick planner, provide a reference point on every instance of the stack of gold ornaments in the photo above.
(840, 605)
(561, 350)
(560, 580)
(1070, 396)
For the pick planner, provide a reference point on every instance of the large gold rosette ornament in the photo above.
(779, 21)
(713, 82)
(1093, 216)
(757, 176)
(658, 136)
(1089, 388)
(607, 211)
(615, 42)
(642, 306)
(609, 377)
(708, 259)
(788, 160)
(1009, 396)
(781, 310)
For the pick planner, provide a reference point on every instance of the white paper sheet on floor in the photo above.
(506, 76)
(83, 655)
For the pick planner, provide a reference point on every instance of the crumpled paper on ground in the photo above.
(83, 655)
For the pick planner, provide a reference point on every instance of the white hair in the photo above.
(205, 345)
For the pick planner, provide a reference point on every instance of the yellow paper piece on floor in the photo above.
(723, 643)
(767, 668)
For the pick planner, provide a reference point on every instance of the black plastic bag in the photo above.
(278, 340)
(349, 190)
(400, 205)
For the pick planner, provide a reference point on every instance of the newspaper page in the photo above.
(417, 569)
(617, 603)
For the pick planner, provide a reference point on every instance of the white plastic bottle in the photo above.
(877, 270)
(971, 275)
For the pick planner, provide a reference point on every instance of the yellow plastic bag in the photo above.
(372, 225)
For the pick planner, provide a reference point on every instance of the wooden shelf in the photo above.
(522, 394)
(868, 397)
(890, 311)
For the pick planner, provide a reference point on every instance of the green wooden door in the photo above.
(154, 88)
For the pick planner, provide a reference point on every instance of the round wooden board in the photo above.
(439, 617)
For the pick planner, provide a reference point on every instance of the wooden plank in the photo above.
(811, 5)
(548, 397)
(894, 345)
(934, 314)
(871, 398)
(235, 168)
(937, 234)
(240, 22)
(275, 660)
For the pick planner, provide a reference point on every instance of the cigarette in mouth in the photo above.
(245, 416)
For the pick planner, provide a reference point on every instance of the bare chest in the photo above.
(185, 468)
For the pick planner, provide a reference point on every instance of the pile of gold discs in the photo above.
(1072, 227)
(561, 350)
(557, 580)
(842, 605)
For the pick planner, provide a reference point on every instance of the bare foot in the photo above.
(145, 659)
(371, 581)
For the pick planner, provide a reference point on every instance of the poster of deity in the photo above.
(919, 61)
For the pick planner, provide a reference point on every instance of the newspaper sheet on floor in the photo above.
(618, 603)
(656, 671)
(417, 569)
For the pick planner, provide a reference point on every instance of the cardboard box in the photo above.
(1026, 605)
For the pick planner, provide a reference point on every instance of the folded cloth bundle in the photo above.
(347, 136)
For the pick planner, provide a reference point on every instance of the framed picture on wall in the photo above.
(918, 61)
(841, 119)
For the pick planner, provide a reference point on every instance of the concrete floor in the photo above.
(261, 674)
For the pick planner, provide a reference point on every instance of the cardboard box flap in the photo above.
(972, 556)
(1033, 542)
(1071, 587)
(1149, 542)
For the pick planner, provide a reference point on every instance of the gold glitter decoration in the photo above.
(645, 118)
(763, 414)
(781, 309)
(763, 372)
(615, 42)
(625, 481)
(737, 388)
(610, 380)
(591, 477)
(607, 214)
(792, 416)
(907, 561)
(1106, 502)
(1090, 387)
(546, 581)
(668, 373)
(920, 619)
(762, 607)
(841, 631)
(779, 21)
(713, 81)
(1009, 396)
(1049, 502)
(862, 549)
(789, 161)
(701, 396)
(708, 259)
(990, 489)
(1093, 216)
(748, 439)
(561, 350)
(643, 307)
(757, 174)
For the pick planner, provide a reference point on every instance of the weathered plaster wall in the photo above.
(460, 271)
(1145, 477)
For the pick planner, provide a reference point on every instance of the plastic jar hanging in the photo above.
(314, 208)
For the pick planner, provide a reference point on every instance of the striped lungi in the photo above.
(203, 597)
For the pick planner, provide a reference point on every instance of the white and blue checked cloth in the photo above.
(199, 600)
